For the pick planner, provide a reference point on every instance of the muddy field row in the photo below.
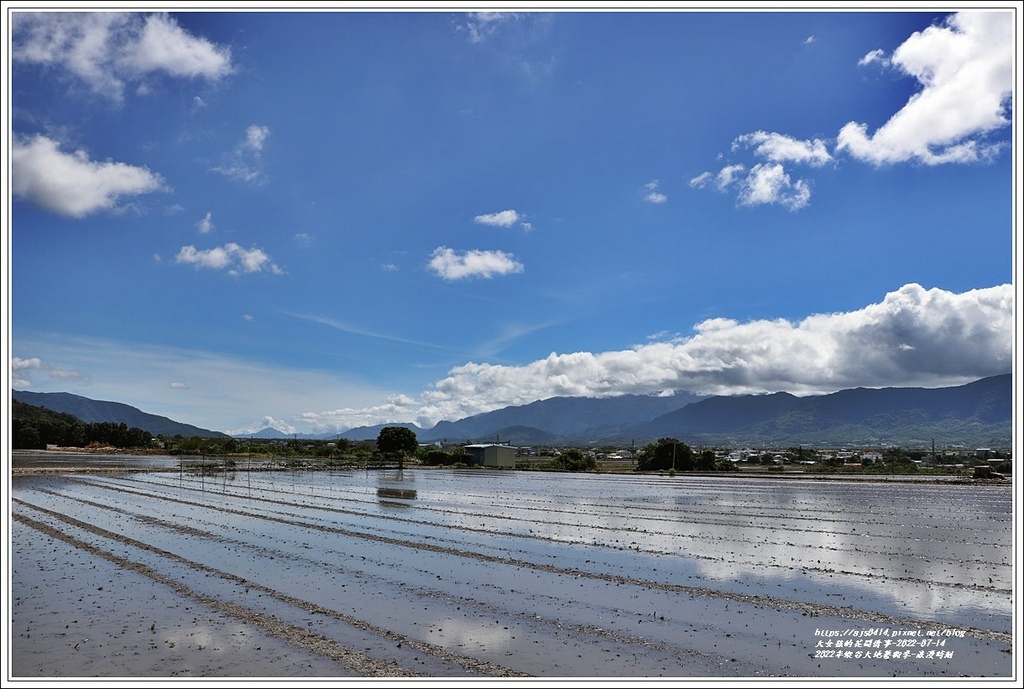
(506, 574)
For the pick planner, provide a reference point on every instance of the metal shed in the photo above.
(492, 455)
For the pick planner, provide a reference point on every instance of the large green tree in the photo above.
(397, 442)
(667, 453)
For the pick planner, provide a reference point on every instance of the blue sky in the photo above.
(328, 219)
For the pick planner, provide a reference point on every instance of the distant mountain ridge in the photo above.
(977, 414)
(97, 411)
(561, 417)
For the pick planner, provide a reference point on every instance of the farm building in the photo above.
(492, 455)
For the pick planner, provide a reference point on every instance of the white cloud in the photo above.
(727, 175)
(32, 363)
(449, 265)
(483, 25)
(779, 148)
(205, 225)
(915, 336)
(722, 181)
(763, 184)
(255, 136)
(108, 50)
(501, 219)
(71, 184)
(653, 195)
(231, 256)
(22, 378)
(872, 57)
(267, 422)
(244, 162)
(66, 374)
(396, 409)
(770, 184)
(965, 67)
(701, 180)
(178, 385)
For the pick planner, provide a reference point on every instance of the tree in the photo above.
(397, 442)
(706, 461)
(575, 460)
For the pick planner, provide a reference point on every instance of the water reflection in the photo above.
(394, 491)
(393, 496)
(878, 547)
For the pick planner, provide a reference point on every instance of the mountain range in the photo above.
(97, 411)
(977, 414)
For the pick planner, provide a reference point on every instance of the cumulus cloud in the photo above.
(244, 162)
(506, 218)
(769, 183)
(779, 148)
(449, 265)
(267, 422)
(230, 257)
(20, 371)
(913, 337)
(205, 224)
(21, 376)
(71, 184)
(965, 68)
(109, 50)
(500, 219)
(763, 184)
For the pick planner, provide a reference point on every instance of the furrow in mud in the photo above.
(811, 609)
(306, 639)
(290, 519)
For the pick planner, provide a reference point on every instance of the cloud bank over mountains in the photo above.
(913, 337)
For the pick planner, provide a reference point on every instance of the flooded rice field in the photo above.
(476, 574)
